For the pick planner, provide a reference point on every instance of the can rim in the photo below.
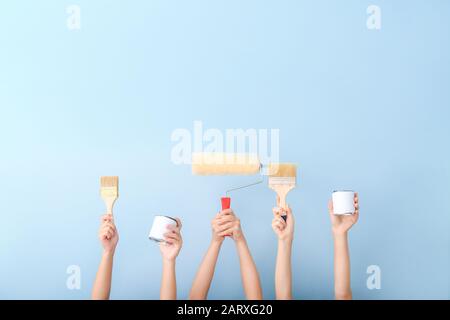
(161, 215)
(155, 239)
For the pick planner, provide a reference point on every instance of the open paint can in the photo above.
(159, 227)
(343, 202)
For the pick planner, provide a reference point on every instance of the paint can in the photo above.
(343, 202)
(159, 227)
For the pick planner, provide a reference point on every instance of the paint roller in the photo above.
(282, 177)
(225, 164)
(206, 164)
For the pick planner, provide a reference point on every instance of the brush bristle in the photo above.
(112, 181)
(282, 170)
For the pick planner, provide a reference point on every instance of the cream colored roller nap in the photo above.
(225, 164)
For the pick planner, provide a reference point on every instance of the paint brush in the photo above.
(282, 179)
(109, 191)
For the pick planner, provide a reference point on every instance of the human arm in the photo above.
(249, 273)
(341, 224)
(109, 238)
(205, 273)
(284, 229)
(170, 249)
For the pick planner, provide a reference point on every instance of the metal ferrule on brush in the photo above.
(282, 180)
(108, 192)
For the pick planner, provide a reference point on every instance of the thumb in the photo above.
(288, 211)
(289, 217)
(330, 207)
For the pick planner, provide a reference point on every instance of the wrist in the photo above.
(108, 252)
(340, 238)
(339, 234)
(169, 262)
(286, 241)
(240, 240)
(216, 242)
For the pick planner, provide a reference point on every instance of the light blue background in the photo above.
(360, 109)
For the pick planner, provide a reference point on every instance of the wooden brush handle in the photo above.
(109, 203)
(283, 203)
(282, 192)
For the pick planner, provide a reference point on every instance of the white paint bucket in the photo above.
(159, 227)
(343, 202)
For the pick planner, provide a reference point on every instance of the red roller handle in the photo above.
(226, 203)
